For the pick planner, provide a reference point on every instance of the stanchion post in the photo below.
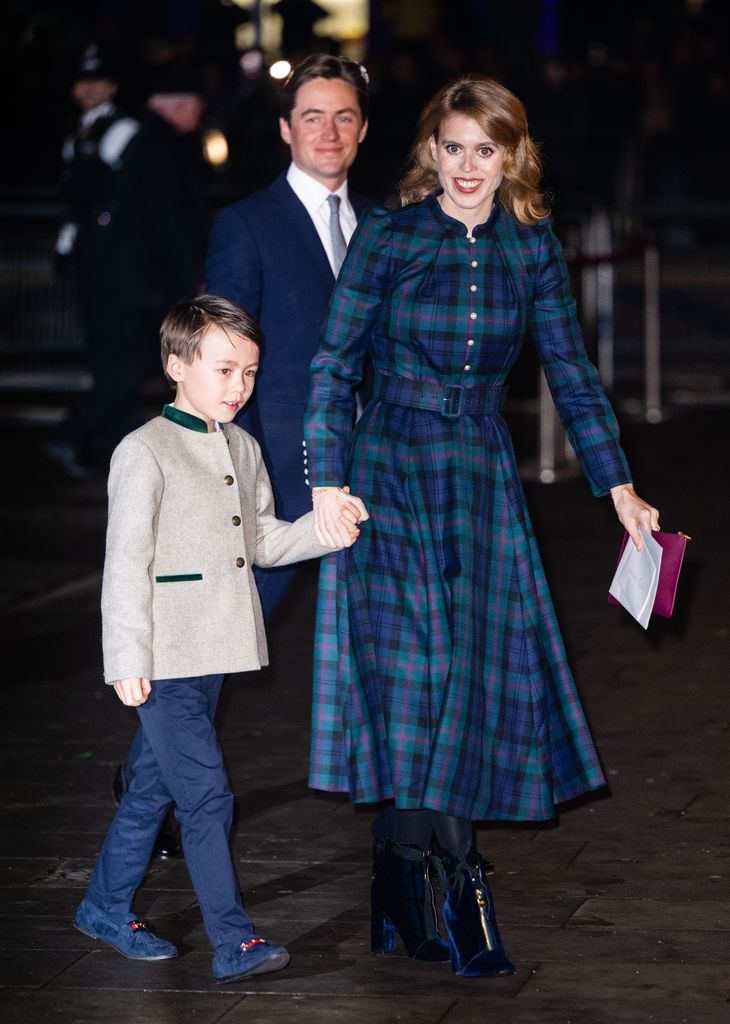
(556, 458)
(597, 290)
(652, 337)
(604, 303)
(547, 456)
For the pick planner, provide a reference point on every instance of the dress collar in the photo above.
(457, 227)
(186, 419)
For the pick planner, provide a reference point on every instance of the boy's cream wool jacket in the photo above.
(189, 515)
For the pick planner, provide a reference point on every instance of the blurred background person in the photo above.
(91, 160)
(155, 258)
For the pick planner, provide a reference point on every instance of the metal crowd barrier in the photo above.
(656, 326)
(41, 345)
(592, 260)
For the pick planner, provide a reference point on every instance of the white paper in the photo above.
(637, 578)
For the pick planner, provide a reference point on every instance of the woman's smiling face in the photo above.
(469, 166)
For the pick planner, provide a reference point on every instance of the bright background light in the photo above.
(215, 147)
(280, 69)
(347, 21)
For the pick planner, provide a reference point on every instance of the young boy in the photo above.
(190, 511)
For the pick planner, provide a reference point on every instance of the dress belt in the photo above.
(451, 400)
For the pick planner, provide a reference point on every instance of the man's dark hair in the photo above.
(324, 65)
(187, 323)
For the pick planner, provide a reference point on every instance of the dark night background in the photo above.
(620, 915)
(629, 102)
(627, 98)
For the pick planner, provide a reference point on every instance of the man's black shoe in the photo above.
(120, 784)
(166, 844)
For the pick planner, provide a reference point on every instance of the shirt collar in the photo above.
(309, 191)
(186, 419)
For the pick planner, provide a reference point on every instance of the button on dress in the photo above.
(441, 678)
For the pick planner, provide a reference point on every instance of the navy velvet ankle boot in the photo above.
(468, 913)
(402, 902)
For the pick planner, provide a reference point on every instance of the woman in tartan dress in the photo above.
(441, 680)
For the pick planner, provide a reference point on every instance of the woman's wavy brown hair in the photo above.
(503, 118)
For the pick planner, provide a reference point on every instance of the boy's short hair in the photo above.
(187, 323)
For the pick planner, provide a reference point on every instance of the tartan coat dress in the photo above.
(441, 677)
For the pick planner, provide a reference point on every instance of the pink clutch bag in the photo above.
(672, 545)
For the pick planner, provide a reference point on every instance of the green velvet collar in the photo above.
(184, 419)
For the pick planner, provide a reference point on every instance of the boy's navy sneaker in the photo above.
(130, 938)
(232, 961)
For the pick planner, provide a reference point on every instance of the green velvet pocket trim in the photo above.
(187, 577)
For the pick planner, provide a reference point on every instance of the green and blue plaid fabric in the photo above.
(440, 675)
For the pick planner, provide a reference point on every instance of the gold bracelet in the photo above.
(329, 487)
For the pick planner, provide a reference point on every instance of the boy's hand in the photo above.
(337, 514)
(133, 692)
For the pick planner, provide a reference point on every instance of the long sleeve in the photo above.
(233, 265)
(584, 410)
(361, 288)
(279, 542)
(135, 492)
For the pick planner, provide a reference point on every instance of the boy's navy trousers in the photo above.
(177, 759)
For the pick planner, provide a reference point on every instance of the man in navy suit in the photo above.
(277, 254)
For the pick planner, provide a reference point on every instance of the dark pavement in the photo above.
(619, 915)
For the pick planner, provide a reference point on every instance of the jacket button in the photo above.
(228, 479)
(236, 520)
(240, 563)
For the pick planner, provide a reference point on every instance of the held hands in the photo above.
(336, 518)
(337, 514)
(133, 692)
(634, 512)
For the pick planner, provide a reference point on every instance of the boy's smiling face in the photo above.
(219, 381)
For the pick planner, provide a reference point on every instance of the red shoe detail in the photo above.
(138, 926)
(245, 946)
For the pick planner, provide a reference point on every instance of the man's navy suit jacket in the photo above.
(266, 256)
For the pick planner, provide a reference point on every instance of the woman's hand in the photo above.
(337, 515)
(634, 512)
(133, 692)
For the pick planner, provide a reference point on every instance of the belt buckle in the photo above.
(453, 401)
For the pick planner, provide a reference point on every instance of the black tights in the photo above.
(418, 827)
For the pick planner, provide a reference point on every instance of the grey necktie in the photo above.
(339, 245)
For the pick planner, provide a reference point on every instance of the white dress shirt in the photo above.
(313, 194)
